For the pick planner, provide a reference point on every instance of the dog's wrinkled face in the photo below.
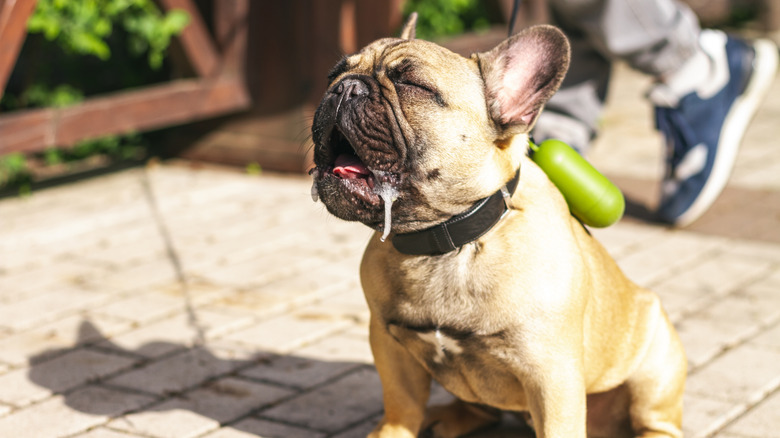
(410, 125)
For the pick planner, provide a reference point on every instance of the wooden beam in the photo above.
(231, 20)
(149, 108)
(13, 29)
(195, 39)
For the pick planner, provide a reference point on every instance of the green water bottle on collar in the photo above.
(591, 197)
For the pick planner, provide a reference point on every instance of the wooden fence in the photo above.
(218, 86)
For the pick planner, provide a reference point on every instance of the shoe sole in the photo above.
(734, 127)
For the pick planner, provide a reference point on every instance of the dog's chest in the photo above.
(475, 367)
(455, 327)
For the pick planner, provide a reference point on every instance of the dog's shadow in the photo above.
(266, 394)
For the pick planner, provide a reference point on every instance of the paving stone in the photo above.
(360, 430)
(288, 292)
(298, 372)
(102, 432)
(251, 241)
(253, 427)
(744, 374)
(750, 306)
(176, 373)
(68, 234)
(55, 275)
(349, 304)
(703, 337)
(64, 416)
(151, 273)
(47, 307)
(664, 256)
(287, 332)
(625, 237)
(755, 250)
(760, 421)
(335, 406)
(341, 347)
(142, 307)
(257, 271)
(718, 275)
(769, 338)
(57, 338)
(680, 302)
(728, 321)
(26, 385)
(201, 410)
(175, 333)
(703, 415)
(145, 247)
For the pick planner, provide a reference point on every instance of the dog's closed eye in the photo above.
(407, 80)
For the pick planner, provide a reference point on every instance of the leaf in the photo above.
(89, 44)
(175, 21)
(254, 169)
(52, 156)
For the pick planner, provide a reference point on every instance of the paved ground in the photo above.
(174, 302)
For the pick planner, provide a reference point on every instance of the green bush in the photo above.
(83, 26)
(438, 18)
(78, 48)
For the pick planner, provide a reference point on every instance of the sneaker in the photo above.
(703, 134)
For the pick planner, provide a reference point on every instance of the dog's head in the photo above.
(409, 124)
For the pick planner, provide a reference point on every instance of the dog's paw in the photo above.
(457, 419)
(386, 430)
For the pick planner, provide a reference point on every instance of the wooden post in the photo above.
(195, 39)
(13, 29)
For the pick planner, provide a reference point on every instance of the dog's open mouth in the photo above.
(349, 166)
(339, 166)
(338, 159)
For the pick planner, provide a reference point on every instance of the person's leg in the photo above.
(652, 36)
(709, 86)
(572, 114)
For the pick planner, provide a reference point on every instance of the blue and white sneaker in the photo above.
(704, 129)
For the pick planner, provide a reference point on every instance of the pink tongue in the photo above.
(349, 166)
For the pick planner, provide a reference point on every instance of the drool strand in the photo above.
(314, 174)
(389, 194)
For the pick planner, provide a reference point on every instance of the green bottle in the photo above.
(592, 198)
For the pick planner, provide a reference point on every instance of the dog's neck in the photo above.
(461, 229)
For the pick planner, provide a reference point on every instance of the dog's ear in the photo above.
(522, 73)
(410, 28)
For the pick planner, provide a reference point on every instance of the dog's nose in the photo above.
(350, 88)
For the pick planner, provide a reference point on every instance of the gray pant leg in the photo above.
(652, 36)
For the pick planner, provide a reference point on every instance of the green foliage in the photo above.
(83, 26)
(42, 95)
(437, 18)
(15, 172)
(254, 169)
(78, 48)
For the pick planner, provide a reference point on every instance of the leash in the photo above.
(513, 17)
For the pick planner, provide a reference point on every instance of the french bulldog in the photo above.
(477, 275)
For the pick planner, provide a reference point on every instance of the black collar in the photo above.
(461, 229)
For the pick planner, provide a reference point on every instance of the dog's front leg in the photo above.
(554, 381)
(406, 386)
(558, 408)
